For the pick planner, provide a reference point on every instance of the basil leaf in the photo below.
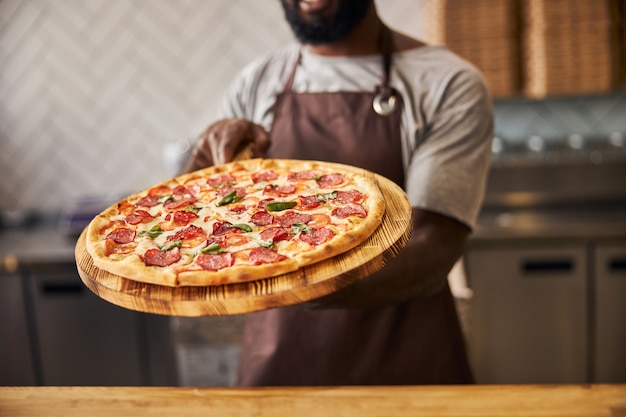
(173, 244)
(327, 196)
(243, 226)
(300, 227)
(280, 205)
(229, 198)
(154, 232)
(213, 249)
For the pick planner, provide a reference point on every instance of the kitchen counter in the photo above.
(477, 400)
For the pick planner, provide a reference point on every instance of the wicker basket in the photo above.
(618, 13)
(537, 47)
(569, 47)
(485, 32)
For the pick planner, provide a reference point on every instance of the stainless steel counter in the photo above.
(582, 221)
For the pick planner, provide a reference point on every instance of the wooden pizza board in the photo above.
(306, 284)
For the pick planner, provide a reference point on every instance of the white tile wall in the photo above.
(92, 90)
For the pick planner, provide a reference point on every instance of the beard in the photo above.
(326, 30)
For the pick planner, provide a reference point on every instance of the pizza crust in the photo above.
(132, 266)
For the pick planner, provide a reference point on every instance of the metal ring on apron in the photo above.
(384, 105)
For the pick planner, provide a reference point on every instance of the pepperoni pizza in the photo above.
(237, 222)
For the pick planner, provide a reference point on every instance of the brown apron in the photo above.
(415, 342)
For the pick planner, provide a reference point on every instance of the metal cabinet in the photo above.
(609, 313)
(529, 321)
(81, 339)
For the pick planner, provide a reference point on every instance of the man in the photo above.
(358, 93)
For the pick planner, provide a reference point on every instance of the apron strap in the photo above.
(385, 100)
(292, 76)
(386, 48)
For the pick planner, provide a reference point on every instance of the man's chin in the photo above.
(334, 21)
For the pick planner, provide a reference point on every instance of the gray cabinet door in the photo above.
(609, 359)
(529, 314)
(82, 339)
(17, 365)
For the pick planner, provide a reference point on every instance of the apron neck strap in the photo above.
(292, 76)
(386, 48)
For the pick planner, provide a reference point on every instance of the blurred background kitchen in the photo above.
(100, 98)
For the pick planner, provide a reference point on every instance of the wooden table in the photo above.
(477, 400)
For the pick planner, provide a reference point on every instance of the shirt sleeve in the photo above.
(449, 164)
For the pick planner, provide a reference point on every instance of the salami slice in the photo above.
(350, 210)
(291, 217)
(308, 202)
(260, 256)
(122, 235)
(275, 234)
(279, 191)
(182, 191)
(262, 176)
(350, 196)
(239, 191)
(157, 257)
(303, 175)
(262, 218)
(190, 232)
(182, 218)
(148, 201)
(180, 202)
(261, 204)
(318, 236)
(221, 180)
(330, 180)
(215, 262)
(219, 228)
(238, 208)
(139, 216)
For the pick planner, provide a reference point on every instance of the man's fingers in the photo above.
(226, 139)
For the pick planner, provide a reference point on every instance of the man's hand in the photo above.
(221, 141)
